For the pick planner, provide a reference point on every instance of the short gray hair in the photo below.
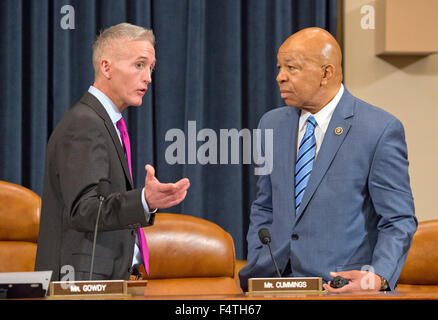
(120, 31)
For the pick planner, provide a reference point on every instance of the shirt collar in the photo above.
(324, 115)
(112, 110)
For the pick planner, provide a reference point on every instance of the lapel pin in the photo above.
(338, 131)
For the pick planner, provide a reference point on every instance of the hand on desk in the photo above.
(358, 281)
(163, 195)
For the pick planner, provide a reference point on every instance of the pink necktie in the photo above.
(121, 125)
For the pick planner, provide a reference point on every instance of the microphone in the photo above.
(265, 238)
(103, 190)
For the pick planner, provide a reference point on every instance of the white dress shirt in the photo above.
(322, 117)
(115, 115)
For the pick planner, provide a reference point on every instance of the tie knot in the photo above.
(121, 125)
(312, 121)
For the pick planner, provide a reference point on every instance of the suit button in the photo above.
(295, 236)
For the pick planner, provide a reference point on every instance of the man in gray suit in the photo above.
(89, 145)
(338, 200)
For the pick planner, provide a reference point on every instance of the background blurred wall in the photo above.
(407, 87)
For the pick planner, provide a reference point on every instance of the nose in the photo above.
(147, 76)
(281, 76)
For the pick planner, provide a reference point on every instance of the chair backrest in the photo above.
(189, 255)
(19, 224)
(421, 266)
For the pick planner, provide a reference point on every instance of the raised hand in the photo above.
(163, 195)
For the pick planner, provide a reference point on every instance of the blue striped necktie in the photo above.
(304, 164)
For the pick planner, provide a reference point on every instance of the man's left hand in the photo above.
(358, 281)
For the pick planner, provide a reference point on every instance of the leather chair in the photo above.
(19, 224)
(190, 256)
(420, 271)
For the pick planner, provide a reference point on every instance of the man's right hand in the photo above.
(163, 195)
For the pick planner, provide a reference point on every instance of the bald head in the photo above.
(315, 44)
(310, 63)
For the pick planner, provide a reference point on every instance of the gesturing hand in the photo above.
(163, 195)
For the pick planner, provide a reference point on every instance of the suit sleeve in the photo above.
(260, 216)
(391, 196)
(82, 159)
(261, 209)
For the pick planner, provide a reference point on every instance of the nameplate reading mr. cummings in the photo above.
(285, 285)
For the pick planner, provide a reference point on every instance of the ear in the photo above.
(105, 68)
(328, 72)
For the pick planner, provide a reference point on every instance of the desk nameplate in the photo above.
(285, 285)
(88, 288)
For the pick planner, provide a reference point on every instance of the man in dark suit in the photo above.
(338, 200)
(89, 144)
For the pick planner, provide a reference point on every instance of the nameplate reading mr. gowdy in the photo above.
(285, 285)
(80, 288)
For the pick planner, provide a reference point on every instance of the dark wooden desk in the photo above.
(402, 293)
(138, 291)
(324, 296)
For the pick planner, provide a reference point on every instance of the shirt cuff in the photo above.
(147, 211)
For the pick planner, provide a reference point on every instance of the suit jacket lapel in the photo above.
(329, 147)
(92, 101)
(287, 153)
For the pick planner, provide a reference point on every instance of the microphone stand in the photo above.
(273, 260)
(101, 198)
